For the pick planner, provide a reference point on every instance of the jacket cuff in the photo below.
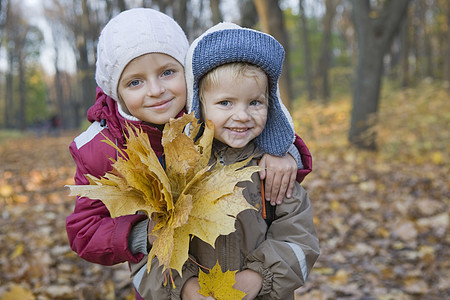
(120, 237)
(266, 274)
(293, 151)
(137, 240)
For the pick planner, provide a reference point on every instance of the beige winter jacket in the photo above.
(283, 253)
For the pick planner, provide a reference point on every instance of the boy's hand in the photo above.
(280, 174)
(190, 290)
(250, 282)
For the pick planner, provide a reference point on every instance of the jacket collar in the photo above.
(107, 108)
(227, 155)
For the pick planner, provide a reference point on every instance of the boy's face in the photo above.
(237, 107)
(152, 88)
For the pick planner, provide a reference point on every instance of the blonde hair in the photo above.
(235, 69)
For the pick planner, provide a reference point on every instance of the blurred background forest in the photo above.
(48, 51)
(366, 81)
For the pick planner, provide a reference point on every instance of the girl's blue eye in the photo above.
(134, 82)
(224, 103)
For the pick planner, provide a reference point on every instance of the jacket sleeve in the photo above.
(92, 233)
(305, 157)
(290, 250)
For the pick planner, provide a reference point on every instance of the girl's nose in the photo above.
(155, 88)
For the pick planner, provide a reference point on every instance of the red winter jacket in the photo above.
(93, 234)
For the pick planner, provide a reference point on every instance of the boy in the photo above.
(234, 73)
(232, 77)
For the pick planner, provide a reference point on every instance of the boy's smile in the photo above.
(237, 107)
(152, 88)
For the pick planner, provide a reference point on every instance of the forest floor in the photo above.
(382, 217)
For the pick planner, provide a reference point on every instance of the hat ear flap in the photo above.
(278, 134)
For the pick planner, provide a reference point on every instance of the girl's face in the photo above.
(152, 88)
(237, 107)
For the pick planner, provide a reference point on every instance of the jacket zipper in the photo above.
(224, 246)
(224, 254)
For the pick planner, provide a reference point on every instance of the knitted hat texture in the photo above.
(133, 33)
(226, 43)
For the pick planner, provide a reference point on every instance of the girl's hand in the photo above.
(280, 174)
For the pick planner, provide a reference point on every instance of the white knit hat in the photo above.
(133, 33)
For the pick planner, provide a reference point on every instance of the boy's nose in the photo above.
(241, 114)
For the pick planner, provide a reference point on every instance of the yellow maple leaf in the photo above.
(188, 198)
(219, 285)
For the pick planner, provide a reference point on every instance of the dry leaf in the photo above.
(188, 198)
(17, 252)
(219, 285)
(18, 292)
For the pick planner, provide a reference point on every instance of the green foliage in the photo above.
(37, 107)
(36, 97)
(10, 134)
(341, 58)
(296, 50)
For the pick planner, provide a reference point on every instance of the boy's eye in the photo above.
(256, 103)
(224, 103)
(168, 72)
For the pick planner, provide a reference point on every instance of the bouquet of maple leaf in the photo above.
(188, 198)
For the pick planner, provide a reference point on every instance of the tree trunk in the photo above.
(4, 7)
(272, 22)
(9, 91)
(162, 5)
(447, 57)
(59, 101)
(22, 94)
(180, 14)
(415, 43)
(306, 54)
(85, 70)
(405, 48)
(374, 39)
(325, 53)
(216, 15)
(122, 5)
(423, 8)
(249, 16)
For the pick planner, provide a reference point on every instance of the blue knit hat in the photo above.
(227, 43)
